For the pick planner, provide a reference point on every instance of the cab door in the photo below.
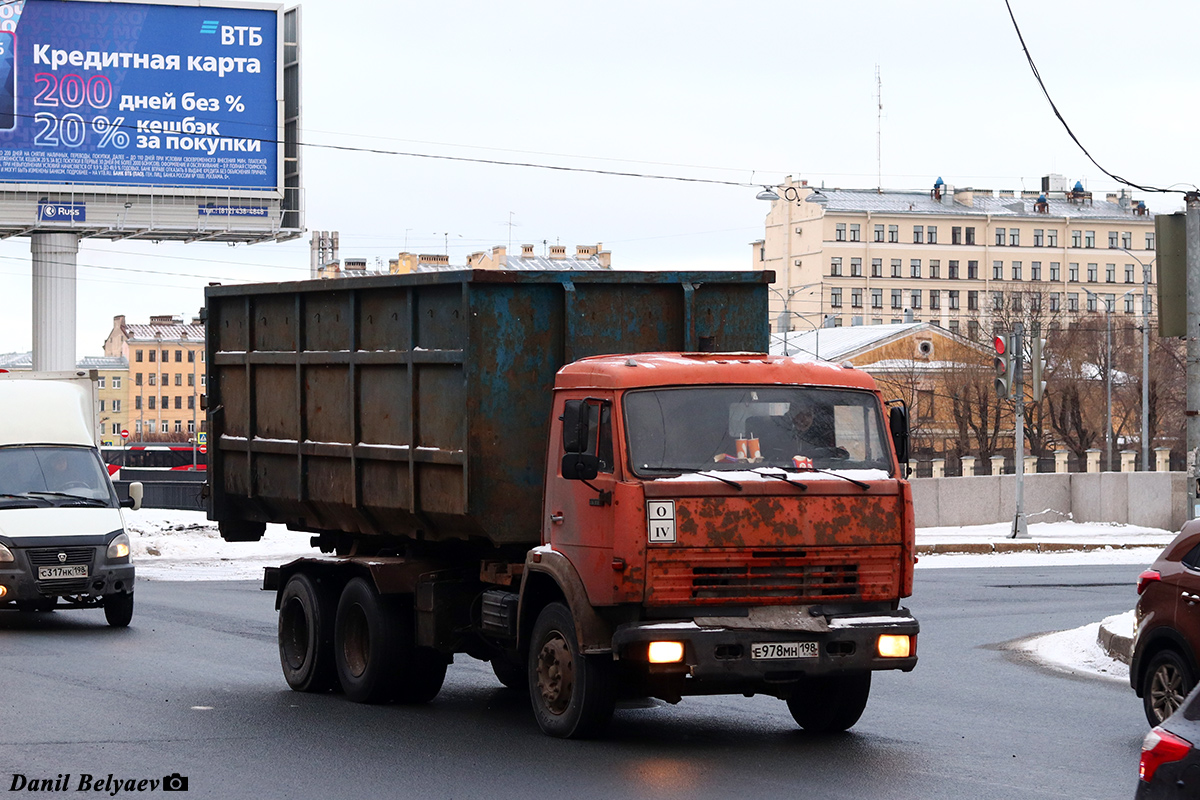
(578, 510)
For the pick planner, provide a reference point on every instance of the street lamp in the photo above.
(1145, 358)
(791, 194)
(1108, 437)
(783, 321)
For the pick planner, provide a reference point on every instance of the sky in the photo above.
(745, 93)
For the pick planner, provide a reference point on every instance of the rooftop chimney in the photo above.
(527, 251)
(558, 252)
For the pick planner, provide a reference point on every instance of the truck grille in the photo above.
(770, 577)
(48, 557)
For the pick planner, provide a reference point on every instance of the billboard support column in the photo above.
(54, 257)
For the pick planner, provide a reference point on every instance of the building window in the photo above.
(1150, 241)
(191, 426)
(100, 382)
(854, 232)
(191, 356)
(894, 233)
(179, 379)
(1129, 273)
(839, 232)
(952, 298)
(153, 355)
(1089, 238)
(116, 382)
(137, 426)
(153, 377)
(1035, 301)
(973, 329)
(137, 403)
(1112, 240)
(952, 270)
(1038, 236)
(1127, 240)
(1016, 302)
(918, 234)
(1110, 273)
(179, 401)
(1072, 302)
(1093, 269)
(101, 406)
(835, 299)
(178, 356)
(1000, 237)
(137, 355)
(1016, 270)
(1110, 303)
(1128, 304)
(835, 266)
(915, 297)
(203, 378)
(1014, 237)
(970, 232)
(997, 270)
(1073, 273)
(935, 299)
(856, 267)
(973, 270)
(955, 235)
(1076, 238)
(897, 298)
(150, 401)
(856, 298)
(116, 405)
(191, 379)
(1052, 238)
(165, 426)
(1054, 271)
(876, 268)
(954, 326)
(166, 356)
(879, 233)
(116, 429)
(997, 301)
(1035, 270)
(877, 298)
(1054, 305)
(972, 301)
(897, 267)
(166, 379)
(931, 234)
(935, 267)
(179, 426)
(914, 267)
(1091, 302)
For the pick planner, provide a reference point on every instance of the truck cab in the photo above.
(63, 542)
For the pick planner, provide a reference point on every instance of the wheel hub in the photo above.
(1166, 691)
(555, 674)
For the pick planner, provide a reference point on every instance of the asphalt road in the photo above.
(194, 688)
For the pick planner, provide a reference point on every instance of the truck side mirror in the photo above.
(575, 426)
(204, 402)
(898, 423)
(580, 467)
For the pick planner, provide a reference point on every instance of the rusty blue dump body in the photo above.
(418, 405)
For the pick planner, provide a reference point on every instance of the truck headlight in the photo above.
(118, 547)
(5, 554)
(893, 646)
(665, 652)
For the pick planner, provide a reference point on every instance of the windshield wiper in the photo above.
(858, 483)
(781, 475)
(22, 500)
(690, 471)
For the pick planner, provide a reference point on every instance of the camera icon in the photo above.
(175, 783)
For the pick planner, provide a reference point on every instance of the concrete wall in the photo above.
(1152, 499)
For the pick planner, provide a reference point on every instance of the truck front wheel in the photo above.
(573, 695)
(118, 609)
(306, 612)
(830, 704)
(377, 660)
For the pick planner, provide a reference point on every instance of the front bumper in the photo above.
(19, 578)
(718, 651)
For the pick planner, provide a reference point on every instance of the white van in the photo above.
(63, 542)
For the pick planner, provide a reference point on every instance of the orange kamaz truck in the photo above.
(599, 482)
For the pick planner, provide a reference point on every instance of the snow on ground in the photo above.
(1118, 543)
(1078, 651)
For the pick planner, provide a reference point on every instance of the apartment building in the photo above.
(165, 378)
(957, 258)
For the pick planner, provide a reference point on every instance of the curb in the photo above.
(1116, 645)
(1010, 546)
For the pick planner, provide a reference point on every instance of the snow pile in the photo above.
(1079, 651)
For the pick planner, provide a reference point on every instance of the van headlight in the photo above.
(5, 554)
(118, 547)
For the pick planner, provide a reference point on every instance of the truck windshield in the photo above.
(743, 427)
(54, 476)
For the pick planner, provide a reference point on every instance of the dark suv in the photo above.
(1166, 638)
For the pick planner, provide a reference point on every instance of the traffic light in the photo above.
(1003, 363)
(1038, 364)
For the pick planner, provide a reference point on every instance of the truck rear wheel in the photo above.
(118, 609)
(573, 695)
(830, 704)
(306, 613)
(510, 673)
(377, 660)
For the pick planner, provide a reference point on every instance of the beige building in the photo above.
(958, 258)
(165, 378)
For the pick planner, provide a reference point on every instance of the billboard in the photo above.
(104, 104)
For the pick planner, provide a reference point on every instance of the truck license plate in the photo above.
(784, 650)
(59, 573)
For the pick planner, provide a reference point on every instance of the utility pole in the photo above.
(1192, 200)
(1020, 530)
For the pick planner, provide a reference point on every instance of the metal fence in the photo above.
(181, 495)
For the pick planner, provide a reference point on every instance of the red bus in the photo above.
(154, 462)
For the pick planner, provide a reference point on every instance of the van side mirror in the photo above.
(135, 496)
(898, 424)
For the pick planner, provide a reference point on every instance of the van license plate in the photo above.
(784, 650)
(59, 573)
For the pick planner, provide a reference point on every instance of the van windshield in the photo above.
(746, 427)
(54, 476)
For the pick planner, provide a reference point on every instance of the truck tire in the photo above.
(118, 609)
(374, 652)
(306, 614)
(573, 695)
(510, 673)
(830, 704)
(1166, 681)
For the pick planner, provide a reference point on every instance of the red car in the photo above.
(1166, 640)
